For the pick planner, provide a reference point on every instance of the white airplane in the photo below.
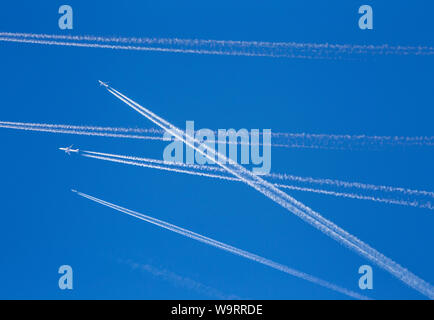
(68, 150)
(103, 84)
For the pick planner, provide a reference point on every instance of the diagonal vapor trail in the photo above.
(286, 201)
(225, 247)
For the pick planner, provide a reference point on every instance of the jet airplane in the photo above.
(69, 149)
(101, 83)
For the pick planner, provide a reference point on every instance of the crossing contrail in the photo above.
(280, 139)
(219, 47)
(286, 201)
(201, 170)
(225, 247)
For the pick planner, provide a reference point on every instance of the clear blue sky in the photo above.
(43, 225)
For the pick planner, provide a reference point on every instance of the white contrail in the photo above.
(413, 203)
(280, 139)
(195, 42)
(286, 201)
(225, 247)
(156, 49)
(146, 165)
(349, 185)
(127, 132)
(83, 132)
(161, 162)
(98, 131)
(111, 132)
(349, 142)
(170, 166)
(224, 47)
(82, 128)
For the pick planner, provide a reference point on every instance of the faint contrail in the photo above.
(286, 201)
(221, 47)
(198, 170)
(225, 247)
(180, 280)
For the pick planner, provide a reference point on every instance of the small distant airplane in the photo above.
(68, 150)
(103, 84)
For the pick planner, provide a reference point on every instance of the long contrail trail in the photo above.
(83, 132)
(219, 47)
(198, 170)
(280, 139)
(286, 201)
(161, 162)
(214, 43)
(225, 247)
(349, 142)
(150, 49)
(179, 280)
(160, 167)
(82, 128)
(346, 184)
(108, 132)
(401, 196)
(282, 176)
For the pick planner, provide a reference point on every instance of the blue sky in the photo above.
(43, 225)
